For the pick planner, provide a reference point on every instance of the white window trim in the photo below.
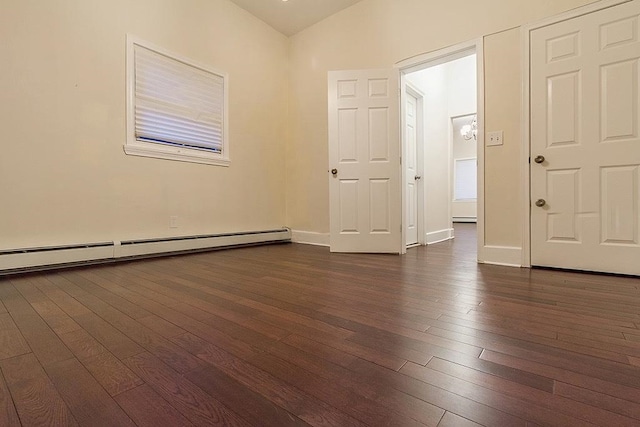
(148, 149)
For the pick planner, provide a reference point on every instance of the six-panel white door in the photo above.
(412, 177)
(364, 161)
(585, 146)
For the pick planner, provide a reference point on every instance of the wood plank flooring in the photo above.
(291, 335)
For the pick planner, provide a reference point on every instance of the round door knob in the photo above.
(334, 171)
(541, 202)
(539, 159)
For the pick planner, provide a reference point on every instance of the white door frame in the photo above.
(526, 113)
(432, 59)
(416, 93)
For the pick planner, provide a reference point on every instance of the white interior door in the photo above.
(584, 125)
(412, 176)
(364, 161)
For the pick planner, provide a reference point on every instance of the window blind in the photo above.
(176, 103)
(466, 179)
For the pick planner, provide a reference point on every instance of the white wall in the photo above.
(463, 89)
(64, 177)
(463, 210)
(432, 82)
(462, 81)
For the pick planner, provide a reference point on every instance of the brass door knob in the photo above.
(541, 202)
(539, 159)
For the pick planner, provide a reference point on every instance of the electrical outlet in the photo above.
(494, 138)
(173, 222)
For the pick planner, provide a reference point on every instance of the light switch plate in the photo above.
(494, 138)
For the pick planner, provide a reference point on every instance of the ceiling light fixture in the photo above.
(471, 130)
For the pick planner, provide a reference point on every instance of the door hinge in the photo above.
(400, 160)
(529, 160)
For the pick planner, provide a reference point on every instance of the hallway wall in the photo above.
(449, 90)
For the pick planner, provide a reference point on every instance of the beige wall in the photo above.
(503, 99)
(379, 33)
(64, 177)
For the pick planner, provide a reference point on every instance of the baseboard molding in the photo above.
(510, 256)
(439, 236)
(310, 238)
(28, 259)
(465, 219)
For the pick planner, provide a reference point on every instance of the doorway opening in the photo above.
(441, 185)
(369, 183)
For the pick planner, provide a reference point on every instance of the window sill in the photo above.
(175, 153)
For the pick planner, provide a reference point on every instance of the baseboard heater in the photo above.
(33, 259)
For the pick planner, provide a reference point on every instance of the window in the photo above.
(466, 179)
(177, 110)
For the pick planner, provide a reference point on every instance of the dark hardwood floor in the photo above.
(292, 335)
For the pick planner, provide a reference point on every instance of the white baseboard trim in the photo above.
(310, 238)
(465, 219)
(439, 236)
(510, 256)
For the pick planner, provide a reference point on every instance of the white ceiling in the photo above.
(293, 16)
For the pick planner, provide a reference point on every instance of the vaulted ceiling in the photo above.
(292, 16)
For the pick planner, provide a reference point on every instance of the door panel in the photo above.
(379, 206)
(620, 101)
(347, 135)
(563, 188)
(378, 135)
(564, 112)
(364, 149)
(620, 205)
(584, 121)
(349, 209)
(619, 33)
